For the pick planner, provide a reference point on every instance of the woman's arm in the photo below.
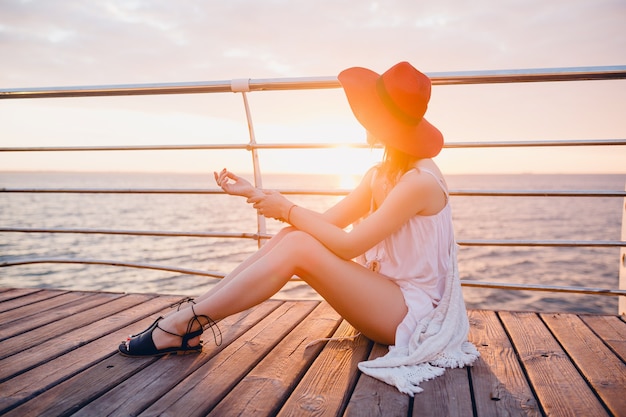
(410, 196)
(347, 211)
(351, 208)
(354, 206)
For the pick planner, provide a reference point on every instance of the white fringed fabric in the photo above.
(439, 342)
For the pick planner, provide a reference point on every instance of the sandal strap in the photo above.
(212, 324)
(179, 304)
(166, 331)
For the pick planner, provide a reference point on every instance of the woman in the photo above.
(402, 240)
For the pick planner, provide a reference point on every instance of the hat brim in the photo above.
(422, 140)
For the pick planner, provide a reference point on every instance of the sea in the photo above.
(501, 218)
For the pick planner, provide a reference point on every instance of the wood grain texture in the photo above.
(561, 390)
(499, 384)
(65, 362)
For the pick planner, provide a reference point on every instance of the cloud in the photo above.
(114, 41)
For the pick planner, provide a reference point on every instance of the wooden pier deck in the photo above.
(58, 357)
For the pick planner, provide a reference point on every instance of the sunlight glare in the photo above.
(348, 181)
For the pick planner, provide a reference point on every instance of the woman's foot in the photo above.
(164, 339)
(168, 335)
(182, 304)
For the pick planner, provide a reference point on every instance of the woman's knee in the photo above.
(278, 237)
(298, 238)
(285, 231)
(303, 247)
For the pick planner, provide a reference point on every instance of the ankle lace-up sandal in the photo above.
(143, 345)
(177, 304)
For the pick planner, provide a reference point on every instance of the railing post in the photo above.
(243, 86)
(622, 263)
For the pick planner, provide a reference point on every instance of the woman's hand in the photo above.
(268, 203)
(271, 204)
(234, 185)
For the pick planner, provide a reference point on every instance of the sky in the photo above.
(45, 43)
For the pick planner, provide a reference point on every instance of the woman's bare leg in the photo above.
(370, 302)
(266, 248)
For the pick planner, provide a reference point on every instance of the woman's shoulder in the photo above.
(425, 175)
(370, 174)
(424, 168)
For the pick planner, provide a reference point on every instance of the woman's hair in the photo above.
(395, 163)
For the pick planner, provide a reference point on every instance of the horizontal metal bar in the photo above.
(112, 263)
(197, 147)
(439, 78)
(157, 233)
(123, 148)
(257, 236)
(537, 143)
(111, 191)
(538, 193)
(169, 88)
(546, 288)
(544, 243)
(451, 145)
(616, 72)
(214, 274)
(480, 193)
(327, 192)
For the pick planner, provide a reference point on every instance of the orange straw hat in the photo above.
(391, 107)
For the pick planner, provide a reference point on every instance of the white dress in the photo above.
(417, 258)
(421, 257)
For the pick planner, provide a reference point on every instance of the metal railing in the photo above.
(314, 83)
(246, 85)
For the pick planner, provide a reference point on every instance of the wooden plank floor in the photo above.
(58, 357)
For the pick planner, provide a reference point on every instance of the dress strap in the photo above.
(373, 180)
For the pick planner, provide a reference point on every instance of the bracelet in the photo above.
(289, 212)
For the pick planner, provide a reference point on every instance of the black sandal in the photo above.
(150, 328)
(143, 345)
(177, 304)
